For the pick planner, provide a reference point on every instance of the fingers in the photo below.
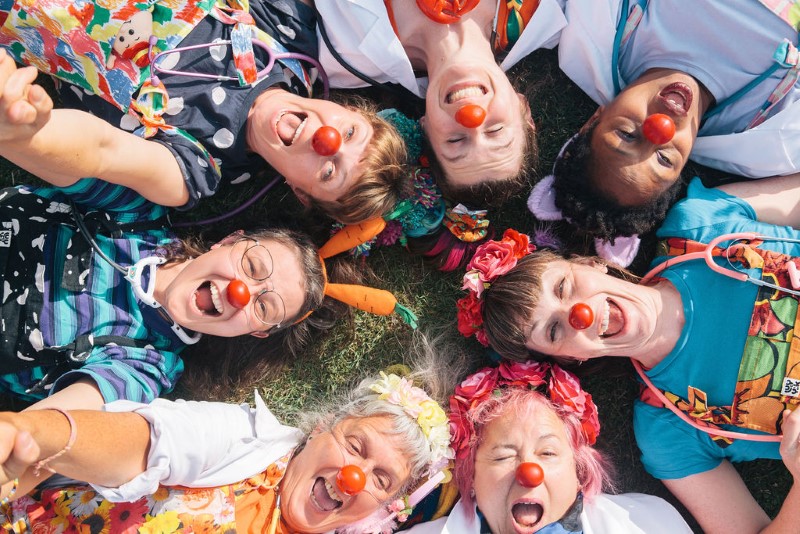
(18, 451)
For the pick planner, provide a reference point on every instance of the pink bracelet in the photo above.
(73, 434)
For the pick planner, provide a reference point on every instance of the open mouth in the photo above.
(526, 516)
(290, 125)
(677, 97)
(206, 299)
(613, 320)
(324, 496)
(463, 91)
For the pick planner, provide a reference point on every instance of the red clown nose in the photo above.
(658, 129)
(530, 474)
(351, 480)
(581, 316)
(326, 141)
(238, 294)
(470, 115)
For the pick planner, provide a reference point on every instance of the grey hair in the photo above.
(435, 369)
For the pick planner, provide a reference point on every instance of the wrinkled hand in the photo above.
(24, 106)
(790, 445)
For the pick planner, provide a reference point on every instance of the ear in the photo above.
(526, 110)
(260, 334)
(422, 121)
(302, 196)
(229, 240)
(593, 119)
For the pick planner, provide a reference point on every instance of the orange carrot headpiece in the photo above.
(369, 299)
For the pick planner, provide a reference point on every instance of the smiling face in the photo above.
(195, 292)
(310, 499)
(509, 507)
(623, 322)
(280, 128)
(491, 151)
(629, 167)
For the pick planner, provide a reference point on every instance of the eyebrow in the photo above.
(464, 154)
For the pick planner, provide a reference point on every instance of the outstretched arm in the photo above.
(110, 448)
(63, 145)
(721, 502)
(776, 200)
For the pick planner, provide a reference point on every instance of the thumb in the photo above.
(24, 453)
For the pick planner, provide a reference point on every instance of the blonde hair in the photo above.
(383, 178)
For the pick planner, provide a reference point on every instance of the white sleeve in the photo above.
(203, 444)
(631, 513)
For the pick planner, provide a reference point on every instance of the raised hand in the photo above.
(24, 106)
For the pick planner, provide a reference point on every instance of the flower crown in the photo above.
(492, 259)
(433, 421)
(419, 406)
(560, 386)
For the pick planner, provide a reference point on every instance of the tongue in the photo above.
(287, 126)
(203, 299)
(615, 319)
(527, 514)
(676, 99)
(321, 496)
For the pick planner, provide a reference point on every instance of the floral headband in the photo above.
(491, 260)
(435, 427)
(561, 387)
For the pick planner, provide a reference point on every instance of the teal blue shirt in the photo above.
(717, 311)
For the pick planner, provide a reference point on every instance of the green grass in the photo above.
(370, 343)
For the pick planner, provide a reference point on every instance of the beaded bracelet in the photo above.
(5, 500)
(73, 434)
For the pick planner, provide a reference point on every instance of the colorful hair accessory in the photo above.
(492, 259)
(409, 129)
(561, 387)
(467, 225)
(369, 299)
(542, 203)
(436, 428)
(419, 406)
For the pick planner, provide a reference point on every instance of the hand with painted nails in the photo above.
(24, 106)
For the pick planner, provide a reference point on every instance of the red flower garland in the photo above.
(491, 259)
(558, 385)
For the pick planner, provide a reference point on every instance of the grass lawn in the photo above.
(370, 343)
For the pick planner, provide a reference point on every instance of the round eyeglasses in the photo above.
(253, 262)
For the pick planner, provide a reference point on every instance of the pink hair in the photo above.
(592, 468)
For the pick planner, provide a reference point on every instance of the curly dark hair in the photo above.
(590, 209)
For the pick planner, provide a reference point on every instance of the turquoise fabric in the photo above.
(717, 312)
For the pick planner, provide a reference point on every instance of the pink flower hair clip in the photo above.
(492, 259)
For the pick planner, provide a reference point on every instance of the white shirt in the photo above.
(362, 34)
(630, 513)
(203, 444)
(585, 51)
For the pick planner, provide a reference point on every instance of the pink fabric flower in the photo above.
(493, 259)
(524, 373)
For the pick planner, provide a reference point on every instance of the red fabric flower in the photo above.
(477, 386)
(566, 391)
(524, 373)
(460, 428)
(520, 243)
(469, 315)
